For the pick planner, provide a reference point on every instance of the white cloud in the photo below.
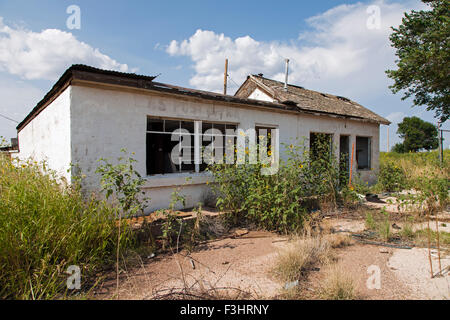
(339, 54)
(46, 54)
(396, 117)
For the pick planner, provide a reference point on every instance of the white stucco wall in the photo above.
(84, 124)
(259, 95)
(47, 136)
(104, 121)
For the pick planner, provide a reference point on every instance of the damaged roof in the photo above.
(307, 100)
(81, 73)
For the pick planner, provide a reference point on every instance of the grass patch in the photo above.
(339, 240)
(337, 285)
(299, 257)
(421, 237)
(380, 223)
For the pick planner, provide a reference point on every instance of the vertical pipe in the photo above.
(225, 77)
(387, 139)
(351, 165)
(440, 143)
(442, 146)
(286, 75)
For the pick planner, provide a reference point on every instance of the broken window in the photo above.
(163, 136)
(344, 159)
(171, 144)
(363, 153)
(264, 134)
(320, 146)
(218, 142)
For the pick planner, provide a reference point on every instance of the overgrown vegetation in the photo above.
(280, 201)
(47, 226)
(391, 177)
(420, 172)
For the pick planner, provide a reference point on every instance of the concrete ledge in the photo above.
(177, 179)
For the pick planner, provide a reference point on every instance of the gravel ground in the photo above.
(412, 267)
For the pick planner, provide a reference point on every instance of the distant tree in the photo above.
(417, 134)
(398, 148)
(422, 45)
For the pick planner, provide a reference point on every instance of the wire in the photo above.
(7, 118)
(233, 80)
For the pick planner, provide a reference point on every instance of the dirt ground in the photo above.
(242, 263)
(240, 266)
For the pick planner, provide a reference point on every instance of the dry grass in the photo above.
(419, 164)
(339, 240)
(301, 256)
(337, 285)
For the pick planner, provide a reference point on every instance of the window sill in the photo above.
(177, 179)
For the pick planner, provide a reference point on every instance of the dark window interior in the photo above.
(344, 151)
(217, 135)
(363, 153)
(161, 140)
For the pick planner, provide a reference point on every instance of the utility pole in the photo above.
(225, 77)
(387, 139)
(441, 156)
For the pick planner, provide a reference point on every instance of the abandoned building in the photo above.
(91, 113)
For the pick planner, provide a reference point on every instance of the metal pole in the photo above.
(225, 76)
(387, 139)
(440, 143)
(286, 74)
(442, 146)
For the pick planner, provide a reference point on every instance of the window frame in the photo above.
(196, 144)
(369, 153)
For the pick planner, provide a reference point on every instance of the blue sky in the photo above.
(329, 43)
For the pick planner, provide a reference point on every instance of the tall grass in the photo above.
(337, 285)
(47, 226)
(418, 164)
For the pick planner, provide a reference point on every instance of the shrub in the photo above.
(279, 201)
(47, 226)
(391, 177)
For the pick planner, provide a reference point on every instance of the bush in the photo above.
(279, 201)
(47, 226)
(391, 177)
